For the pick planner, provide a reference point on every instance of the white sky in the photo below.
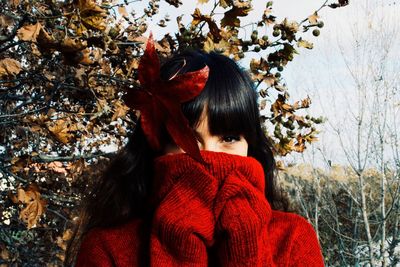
(322, 72)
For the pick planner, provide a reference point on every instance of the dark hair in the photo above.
(230, 100)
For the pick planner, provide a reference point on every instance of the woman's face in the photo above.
(231, 144)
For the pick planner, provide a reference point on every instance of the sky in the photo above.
(351, 42)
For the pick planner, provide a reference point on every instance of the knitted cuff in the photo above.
(243, 215)
(183, 222)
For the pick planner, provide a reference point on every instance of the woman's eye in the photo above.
(231, 138)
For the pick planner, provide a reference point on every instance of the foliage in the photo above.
(64, 66)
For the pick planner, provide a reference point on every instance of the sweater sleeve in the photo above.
(246, 234)
(243, 215)
(92, 253)
(183, 222)
(306, 251)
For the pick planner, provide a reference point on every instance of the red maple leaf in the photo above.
(159, 102)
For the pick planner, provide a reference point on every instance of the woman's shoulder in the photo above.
(291, 224)
(128, 226)
(279, 215)
(130, 229)
(296, 237)
(120, 245)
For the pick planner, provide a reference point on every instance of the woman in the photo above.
(162, 202)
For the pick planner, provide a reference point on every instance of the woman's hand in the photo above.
(243, 215)
(183, 223)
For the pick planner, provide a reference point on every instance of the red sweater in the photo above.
(206, 215)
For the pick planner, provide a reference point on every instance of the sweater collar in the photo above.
(169, 168)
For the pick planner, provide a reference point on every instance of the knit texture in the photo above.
(214, 214)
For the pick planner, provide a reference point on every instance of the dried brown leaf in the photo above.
(60, 129)
(76, 168)
(14, 3)
(19, 164)
(133, 65)
(313, 19)
(95, 22)
(209, 45)
(238, 10)
(35, 50)
(291, 26)
(61, 241)
(120, 110)
(269, 79)
(58, 167)
(280, 165)
(305, 44)
(86, 58)
(175, 3)
(4, 254)
(9, 67)
(29, 32)
(89, 7)
(212, 25)
(67, 235)
(311, 138)
(70, 45)
(80, 75)
(305, 103)
(122, 11)
(5, 21)
(225, 3)
(197, 17)
(34, 206)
